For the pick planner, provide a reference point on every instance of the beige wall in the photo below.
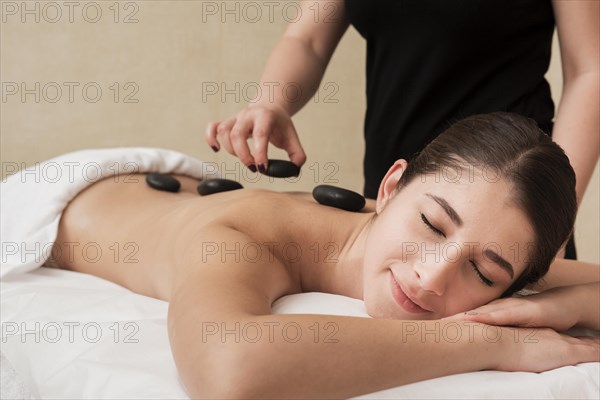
(155, 64)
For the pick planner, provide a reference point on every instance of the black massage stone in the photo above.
(211, 186)
(282, 169)
(337, 197)
(163, 182)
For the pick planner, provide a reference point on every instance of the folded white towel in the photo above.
(32, 200)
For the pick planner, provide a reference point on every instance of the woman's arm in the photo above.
(226, 344)
(570, 296)
(560, 308)
(567, 273)
(590, 314)
(577, 123)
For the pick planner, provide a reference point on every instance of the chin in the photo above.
(373, 307)
(376, 308)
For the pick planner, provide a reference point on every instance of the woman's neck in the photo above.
(337, 246)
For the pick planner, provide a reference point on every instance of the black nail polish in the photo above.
(261, 168)
(214, 148)
(251, 167)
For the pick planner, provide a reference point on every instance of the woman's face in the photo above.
(442, 246)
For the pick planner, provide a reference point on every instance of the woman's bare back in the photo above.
(122, 230)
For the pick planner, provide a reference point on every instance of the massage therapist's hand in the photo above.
(559, 308)
(262, 123)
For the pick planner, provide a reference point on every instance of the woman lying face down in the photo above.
(479, 214)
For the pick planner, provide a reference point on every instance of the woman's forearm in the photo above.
(322, 356)
(589, 306)
(567, 273)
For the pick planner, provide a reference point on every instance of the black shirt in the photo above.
(433, 62)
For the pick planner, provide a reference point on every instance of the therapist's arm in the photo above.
(301, 56)
(577, 122)
(290, 78)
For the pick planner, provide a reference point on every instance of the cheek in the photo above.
(388, 241)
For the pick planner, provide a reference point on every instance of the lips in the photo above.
(402, 298)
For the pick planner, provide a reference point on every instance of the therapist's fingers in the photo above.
(210, 135)
(276, 127)
(263, 126)
(212, 132)
(240, 133)
(223, 133)
(293, 146)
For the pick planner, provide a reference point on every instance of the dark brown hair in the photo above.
(516, 150)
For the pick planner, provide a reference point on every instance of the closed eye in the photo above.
(431, 227)
(481, 277)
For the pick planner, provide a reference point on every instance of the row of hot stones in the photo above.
(324, 194)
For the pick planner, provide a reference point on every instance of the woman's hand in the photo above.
(538, 350)
(263, 124)
(559, 308)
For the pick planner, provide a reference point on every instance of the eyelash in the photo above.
(481, 277)
(432, 228)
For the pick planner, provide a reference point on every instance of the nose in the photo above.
(435, 277)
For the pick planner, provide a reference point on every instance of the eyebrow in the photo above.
(449, 210)
(505, 265)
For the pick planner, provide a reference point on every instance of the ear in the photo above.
(387, 187)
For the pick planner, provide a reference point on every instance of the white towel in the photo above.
(32, 200)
